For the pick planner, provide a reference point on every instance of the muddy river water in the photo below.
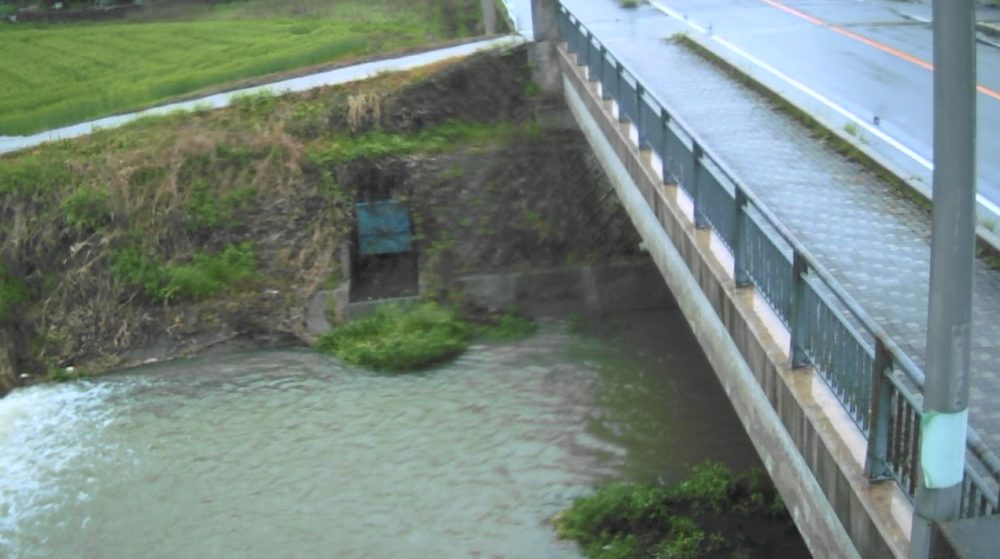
(292, 454)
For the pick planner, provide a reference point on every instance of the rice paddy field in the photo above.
(57, 74)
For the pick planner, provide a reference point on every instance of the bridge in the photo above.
(803, 274)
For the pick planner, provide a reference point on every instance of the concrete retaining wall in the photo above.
(573, 289)
(583, 289)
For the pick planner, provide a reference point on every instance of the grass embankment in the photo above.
(220, 222)
(55, 75)
(713, 513)
(398, 338)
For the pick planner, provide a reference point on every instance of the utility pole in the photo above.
(944, 420)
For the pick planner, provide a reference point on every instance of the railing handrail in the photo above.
(974, 441)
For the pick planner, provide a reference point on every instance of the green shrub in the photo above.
(204, 276)
(613, 513)
(29, 174)
(207, 210)
(710, 485)
(680, 522)
(398, 338)
(688, 540)
(208, 274)
(86, 210)
(260, 103)
(12, 292)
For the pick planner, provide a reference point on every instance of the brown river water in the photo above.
(292, 454)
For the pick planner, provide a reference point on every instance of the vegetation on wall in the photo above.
(12, 292)
(219, 222)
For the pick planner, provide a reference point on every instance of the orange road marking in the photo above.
(870, 42)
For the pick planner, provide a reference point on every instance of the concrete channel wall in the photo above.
(810, 447)
(583, 289)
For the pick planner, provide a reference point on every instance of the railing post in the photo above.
(619, 73)
(740, 247)
(665, 123)
(605, 94)
(697, 195)
(799, 313)
(639, 89)
(877, 465)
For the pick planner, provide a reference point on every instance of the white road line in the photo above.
(678, 16)
(822, 99)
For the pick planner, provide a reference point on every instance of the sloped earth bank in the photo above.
(173, 235)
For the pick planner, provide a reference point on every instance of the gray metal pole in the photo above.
(949, 321)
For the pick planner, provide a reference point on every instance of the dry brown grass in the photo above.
(364, 111)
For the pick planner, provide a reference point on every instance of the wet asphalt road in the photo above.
(872, 57)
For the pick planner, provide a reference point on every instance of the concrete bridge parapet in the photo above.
(811, 448)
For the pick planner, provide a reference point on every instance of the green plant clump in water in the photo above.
(206, 275)
(699, 517)
(398, 338)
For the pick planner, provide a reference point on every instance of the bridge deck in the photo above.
(875, 241)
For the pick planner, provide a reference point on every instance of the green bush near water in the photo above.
(699, 517)
(396, 338)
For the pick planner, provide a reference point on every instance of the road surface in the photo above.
(872, 58)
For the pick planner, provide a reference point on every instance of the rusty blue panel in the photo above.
(383, 228)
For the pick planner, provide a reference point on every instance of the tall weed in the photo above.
(206, 275)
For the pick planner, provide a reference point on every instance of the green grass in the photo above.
(435, 139)
(696, 518)
(85, 210)
(396, 338)
(206, 275)
(12, 292)
(55, 75)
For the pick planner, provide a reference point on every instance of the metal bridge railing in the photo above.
(875, 381)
